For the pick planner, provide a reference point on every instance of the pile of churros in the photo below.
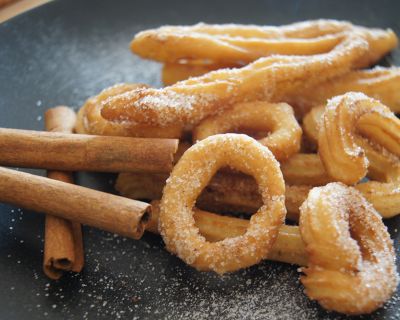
(276, 123)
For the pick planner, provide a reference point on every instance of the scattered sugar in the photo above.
(149, 279)
(267, 291)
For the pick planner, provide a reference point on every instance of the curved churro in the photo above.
(232, 44)
(90, 121)
(281, 131)
(192, 173)
(385, 197)
(382, 166)
(380, 83)
(343, 153)
(268, 78)
(351, 261)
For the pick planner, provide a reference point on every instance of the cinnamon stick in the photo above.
(63, 245)
(79, 152)
(68, 201)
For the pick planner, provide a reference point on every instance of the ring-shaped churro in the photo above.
(341, 150)
(90, 121)
(188, 178)
(275, 119)
(351, 261)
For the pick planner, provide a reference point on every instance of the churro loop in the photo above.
(269, 78)
(382, 167)
(90, 121)
(343, 151)
(351, 261)
(232, 43)
(274, 119)
(192, 173)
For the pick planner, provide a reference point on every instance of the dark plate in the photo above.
(66, 51)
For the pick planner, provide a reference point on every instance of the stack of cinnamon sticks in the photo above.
(68, 206)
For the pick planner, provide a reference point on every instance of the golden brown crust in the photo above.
(90, 121)
(344, 152)
(351, 266)
(380, 83)
(312, 122)
(269, 78)
(192, 174)
(233, 43)
(276, 120)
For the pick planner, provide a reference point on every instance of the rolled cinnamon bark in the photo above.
(94, 208)
(63, 245)
(79, 152)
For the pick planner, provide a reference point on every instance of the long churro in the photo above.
(274, 122)
(232, 44)
(288, 246)
(269, 78)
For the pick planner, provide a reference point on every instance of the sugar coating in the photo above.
(344, 158)
(283, 131)
(268, 78)
(192, 173)
(90, 121)
(379, 82)
(351, 258)
(306, 29)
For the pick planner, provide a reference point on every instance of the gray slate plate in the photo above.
(64, 52)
